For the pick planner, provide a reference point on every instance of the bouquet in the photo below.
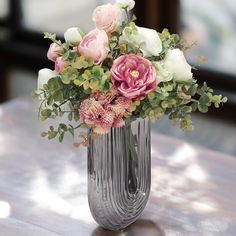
(116, 73)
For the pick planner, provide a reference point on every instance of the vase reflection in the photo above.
(139, 228)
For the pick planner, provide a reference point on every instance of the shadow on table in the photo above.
(139, 228)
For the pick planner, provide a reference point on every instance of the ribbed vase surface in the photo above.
(119, 174)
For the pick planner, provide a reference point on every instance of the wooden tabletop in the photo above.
(43, 185)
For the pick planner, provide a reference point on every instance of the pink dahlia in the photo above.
(104, 111)
(133, 76)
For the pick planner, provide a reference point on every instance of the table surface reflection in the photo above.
(43, 185)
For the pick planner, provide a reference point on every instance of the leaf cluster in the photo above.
(178, 100)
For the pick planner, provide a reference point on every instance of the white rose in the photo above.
(44, 75)
(126, 4)
(146, 39)
(176, 63)
(73, 35)
(163, 75)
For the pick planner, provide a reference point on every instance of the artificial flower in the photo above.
(95, 45)
(147, 40)
(117, 73)
(163, 74)
(103, 111)
(73, 35)
(60, 64)
(44, 75)
(175, 62)
(54, 51)
(106, 17)
(133, 76)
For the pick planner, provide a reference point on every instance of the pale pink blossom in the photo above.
(104, 111)
(60, 64)
(95, 45)
(107, 17)
(54, 51)
(133, 76)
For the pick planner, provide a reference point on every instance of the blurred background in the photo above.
(210, 24)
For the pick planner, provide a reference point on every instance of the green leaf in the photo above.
(61, 137)
(70, 56)
(94, 84)
(76, 116)
(202, 108)
(97, 72)
(52, 134)
(70, 116)
(105, 86)
(44, 134)
(54, 83)
(194, 106)
(50, 100)
(186, 109)
(164, 104)
(225, 99)
(63, 127)
(69, 75)
(151, 96)
(193, 90)
(71, 130)
(204, 99)
(46, 113)
(58, 96)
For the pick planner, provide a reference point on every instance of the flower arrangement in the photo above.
(116, 73)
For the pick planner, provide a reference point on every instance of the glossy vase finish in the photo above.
(119, 175)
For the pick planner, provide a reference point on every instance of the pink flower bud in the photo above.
(53, 51)
(60, 64)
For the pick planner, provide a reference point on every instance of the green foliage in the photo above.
(178, 100)
(94, 78)
(60, 132)
(68, 75)
(170, 41)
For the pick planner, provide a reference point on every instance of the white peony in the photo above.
(146, 39)
(44, 75)
(73, 35)
(126, 4)
(176, 63)
(163, 75)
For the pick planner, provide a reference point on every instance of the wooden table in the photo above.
(43, 185)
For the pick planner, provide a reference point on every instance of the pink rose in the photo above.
(53, 51)
(60, 64)
(133, 76)
(106, 17)
(95, 45)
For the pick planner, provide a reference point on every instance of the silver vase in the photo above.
(119, 175)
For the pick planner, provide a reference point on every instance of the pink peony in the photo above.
(133, 76)
(60, 64)
(95, 45)
(106, 17)
(104, 111)
(53, 51)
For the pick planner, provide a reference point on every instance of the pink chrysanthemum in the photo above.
(104, 111)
